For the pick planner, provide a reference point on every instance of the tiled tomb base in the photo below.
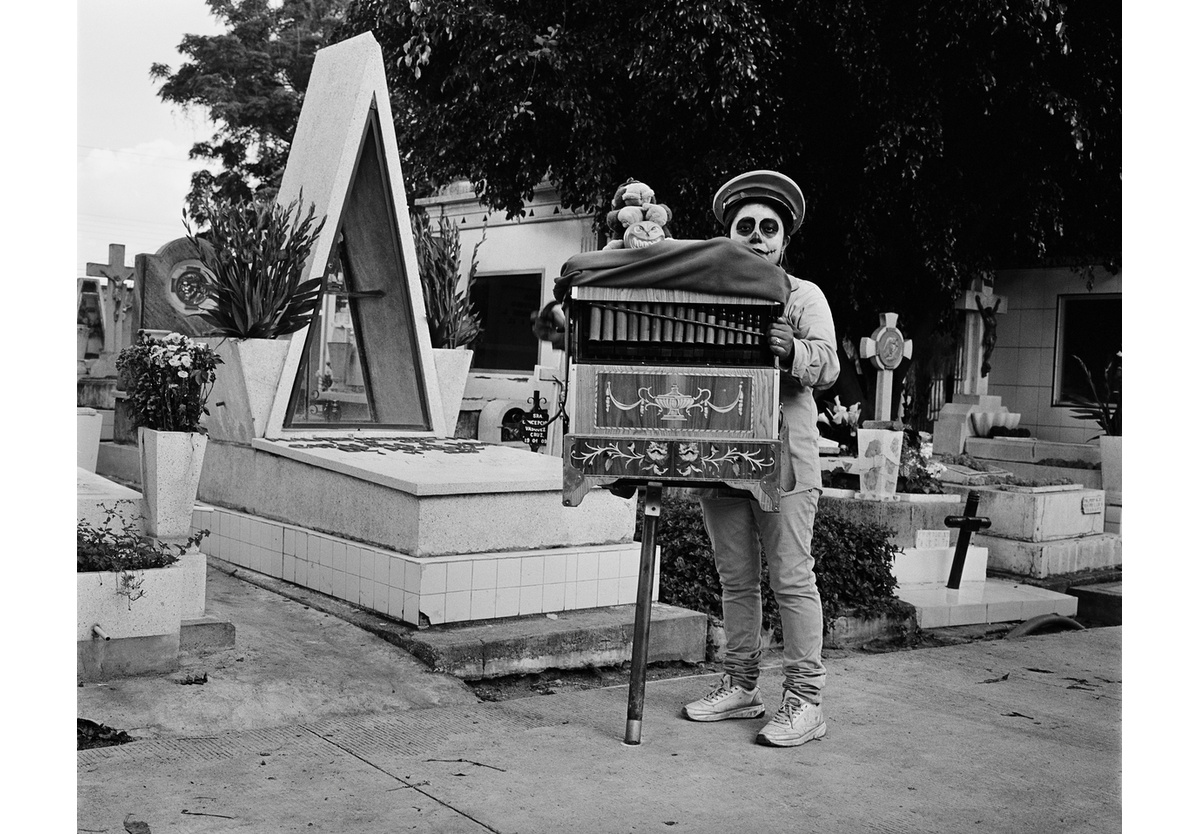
(429, 590)
(989, 601)
(922, 572)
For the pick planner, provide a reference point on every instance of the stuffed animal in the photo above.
(636, 220)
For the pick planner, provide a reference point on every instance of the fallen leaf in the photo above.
(136, 826)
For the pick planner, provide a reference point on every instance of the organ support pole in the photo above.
(651, 510)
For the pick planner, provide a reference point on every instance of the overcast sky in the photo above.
(131, 147)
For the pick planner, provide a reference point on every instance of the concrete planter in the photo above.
(118, 636)
(904, 515)
(453, 367)
(878, 464)
(170, 467)
(1110, 463)
(244, 391)
(88, 425)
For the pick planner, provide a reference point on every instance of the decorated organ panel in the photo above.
(671, 376)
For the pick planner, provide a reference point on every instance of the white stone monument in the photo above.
(953, 425)
(387, 511)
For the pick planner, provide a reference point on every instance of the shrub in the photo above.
(116, 544)
(853, 564)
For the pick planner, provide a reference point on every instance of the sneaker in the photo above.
(726, 701)
(796, 722)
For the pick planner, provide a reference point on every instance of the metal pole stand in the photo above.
(651, 510)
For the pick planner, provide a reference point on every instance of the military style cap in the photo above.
(771, 187)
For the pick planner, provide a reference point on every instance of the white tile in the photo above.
(532, 570)
(289, 568)
(326, 580)
(458, 578)
(483, 604)
(339, 584)
(384, 565)
(570, 596)
(553, 596)
(571, 573)
(483, 575)
(585, 593)
(933, 617)
(458, 606)
(627, 590)
(289, 541)
(395, 603)
(508, 602)
(588, 566)
(508, 573)
(531, 599)
(556, 569)
(354, 561)
(353, 587)
(610, 566)
(433, 579)
(325, 551)
(433, 606)
(301, 546)
(408, 574)
(366, 593)
(366, 562)
(410, 611)
(607, 591)
(630, 564)
(339, 555)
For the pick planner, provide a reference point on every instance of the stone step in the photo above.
(1099, 604)
(1050, 558)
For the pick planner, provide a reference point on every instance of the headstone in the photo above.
(171, 287)
(886, 348)
(953, 425)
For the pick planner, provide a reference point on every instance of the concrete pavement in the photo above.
(311, 724)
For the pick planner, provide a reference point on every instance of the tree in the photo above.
(251, 80)
(936, 140)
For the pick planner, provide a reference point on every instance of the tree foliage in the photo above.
(935, 140)
(251, 81)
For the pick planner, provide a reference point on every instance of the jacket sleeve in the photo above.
(815, 364)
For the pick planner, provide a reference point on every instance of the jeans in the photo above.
(735, 527)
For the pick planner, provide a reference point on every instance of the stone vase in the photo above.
(1110, 463)
(453, 367)
(88, 425)
(171, 463)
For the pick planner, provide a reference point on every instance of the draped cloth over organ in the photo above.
(719, 266)
(672, 376)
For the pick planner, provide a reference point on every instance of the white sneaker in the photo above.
(796, 722)
(726, 701)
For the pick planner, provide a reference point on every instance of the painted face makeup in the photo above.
(760, 227)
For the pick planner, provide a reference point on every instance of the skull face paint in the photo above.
(759, 227)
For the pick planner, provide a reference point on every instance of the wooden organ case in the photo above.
(674, 386)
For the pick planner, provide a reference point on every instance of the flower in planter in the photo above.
(453, 320)
(167, 380)
(1105, 405)
(840, 424)
(256, 251)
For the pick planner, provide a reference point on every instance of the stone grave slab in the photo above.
(989, 601)
(1037, 514)
(1052, 558)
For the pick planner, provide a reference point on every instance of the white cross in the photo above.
(116, 293)
(886, 348)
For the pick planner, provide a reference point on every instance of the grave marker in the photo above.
(886, 348)
(118, 300)
(967, 523)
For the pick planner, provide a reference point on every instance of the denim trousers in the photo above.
(736, 526)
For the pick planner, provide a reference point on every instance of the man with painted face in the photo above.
(763, 209)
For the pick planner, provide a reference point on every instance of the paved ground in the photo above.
(311, 724)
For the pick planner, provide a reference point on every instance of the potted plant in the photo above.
(1104, 408)
(167, 381)
(131, 586)
(454, 324)
(256, 251)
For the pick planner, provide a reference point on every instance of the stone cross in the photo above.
(979, 334)
(886, 348)
(117, 295)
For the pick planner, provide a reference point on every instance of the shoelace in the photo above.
(788, 709)
(718, 693)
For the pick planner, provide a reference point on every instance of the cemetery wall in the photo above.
(1028, 347)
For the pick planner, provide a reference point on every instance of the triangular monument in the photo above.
(345, 162)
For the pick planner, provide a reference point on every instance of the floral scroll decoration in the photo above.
(674, 405)
(653, 458)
